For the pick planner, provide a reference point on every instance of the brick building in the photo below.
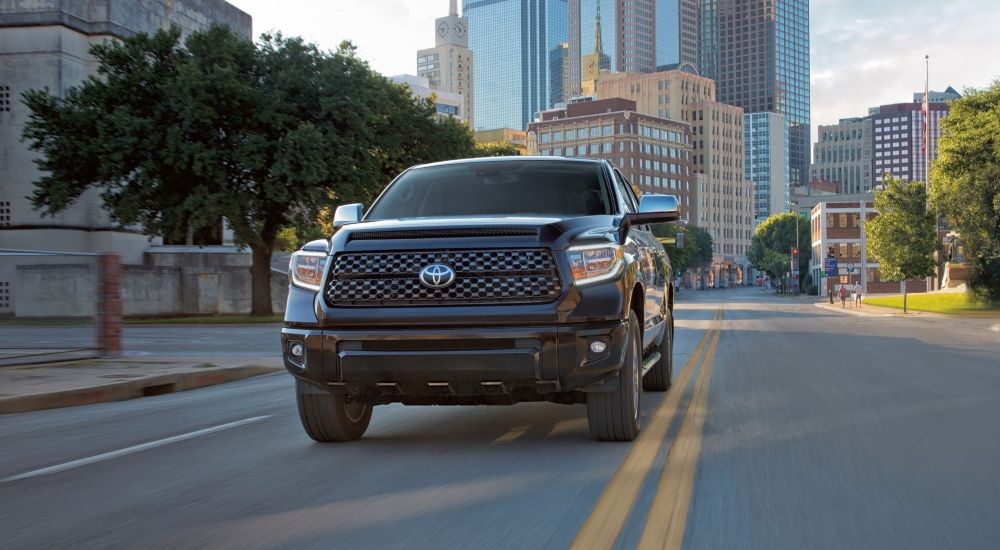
(840, 226)
(653, 153)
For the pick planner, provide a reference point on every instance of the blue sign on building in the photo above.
(830, 266)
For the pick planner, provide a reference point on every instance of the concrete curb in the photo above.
(130, 389)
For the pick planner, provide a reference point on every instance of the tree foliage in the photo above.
(495, 149)
(965, 182)
(901, 238)
(178, 136)
(697, 249)
(771, 245)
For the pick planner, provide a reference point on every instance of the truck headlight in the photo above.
(593, 263)
(305, 269)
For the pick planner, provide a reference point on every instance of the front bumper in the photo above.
(469, 365)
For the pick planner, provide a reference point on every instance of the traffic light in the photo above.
(795, 251)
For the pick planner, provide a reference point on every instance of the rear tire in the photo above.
(661, 376)
(614, 415)
(328, 417)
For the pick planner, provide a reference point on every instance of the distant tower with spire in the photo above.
(596, 61)
(448, 65)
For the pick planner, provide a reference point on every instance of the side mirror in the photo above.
(655, 209)
(347, 214)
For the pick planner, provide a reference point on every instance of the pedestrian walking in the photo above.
(857, 294)
(843, 296)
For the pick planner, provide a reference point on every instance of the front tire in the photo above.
(660, 377)
(614, 415)
(328, 417)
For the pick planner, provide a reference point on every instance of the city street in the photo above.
(809, 429)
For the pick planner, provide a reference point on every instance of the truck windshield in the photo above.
(547, 188)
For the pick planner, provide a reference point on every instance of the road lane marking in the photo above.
(511, 435)
(129, 450)
(667, 515)
(601, 528)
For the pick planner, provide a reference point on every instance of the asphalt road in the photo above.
(798, 428)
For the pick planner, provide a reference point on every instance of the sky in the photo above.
(863, 52)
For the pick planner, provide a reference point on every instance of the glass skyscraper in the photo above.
(639, 36)
(765, 161)
(516, 44)
(757, 51)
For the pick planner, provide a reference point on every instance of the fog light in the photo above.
(296, 350)
(598, 346)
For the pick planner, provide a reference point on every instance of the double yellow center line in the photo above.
(668, 514)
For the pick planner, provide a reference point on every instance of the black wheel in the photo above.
(328, 417)
(661, 376)
(614, 416)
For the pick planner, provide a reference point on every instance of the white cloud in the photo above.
(866, 54)
(388, 33)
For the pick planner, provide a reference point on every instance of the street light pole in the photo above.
(798, 282)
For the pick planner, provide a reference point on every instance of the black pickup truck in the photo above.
(480, 282)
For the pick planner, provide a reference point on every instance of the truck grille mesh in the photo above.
(515, 276)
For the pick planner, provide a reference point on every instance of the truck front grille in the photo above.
(512, 276)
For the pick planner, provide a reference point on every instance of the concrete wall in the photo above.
(151, 290)
(54, 290)
(68, 290)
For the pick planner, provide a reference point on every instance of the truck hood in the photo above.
(464, 231)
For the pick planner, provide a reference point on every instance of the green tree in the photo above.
(901, 238)
(965, 182)
(496, 149)
(771, 245)
(267, 136)
(697, 249)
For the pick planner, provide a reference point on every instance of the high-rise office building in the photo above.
(765, 145)
(757, 51)
(448, 65)
(560, 78)
(639, 36)
(677, 35)
(513, 42)
(950, 94)
(843, 155)
(898, 139)
(724, 196)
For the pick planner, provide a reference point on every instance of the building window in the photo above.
(843, 220)
(5, 99)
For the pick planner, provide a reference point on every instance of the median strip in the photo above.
(667, 516)
(606, 520)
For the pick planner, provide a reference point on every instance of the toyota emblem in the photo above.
(437, 276)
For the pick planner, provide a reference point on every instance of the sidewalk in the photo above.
(865, 310)
(36, 387)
